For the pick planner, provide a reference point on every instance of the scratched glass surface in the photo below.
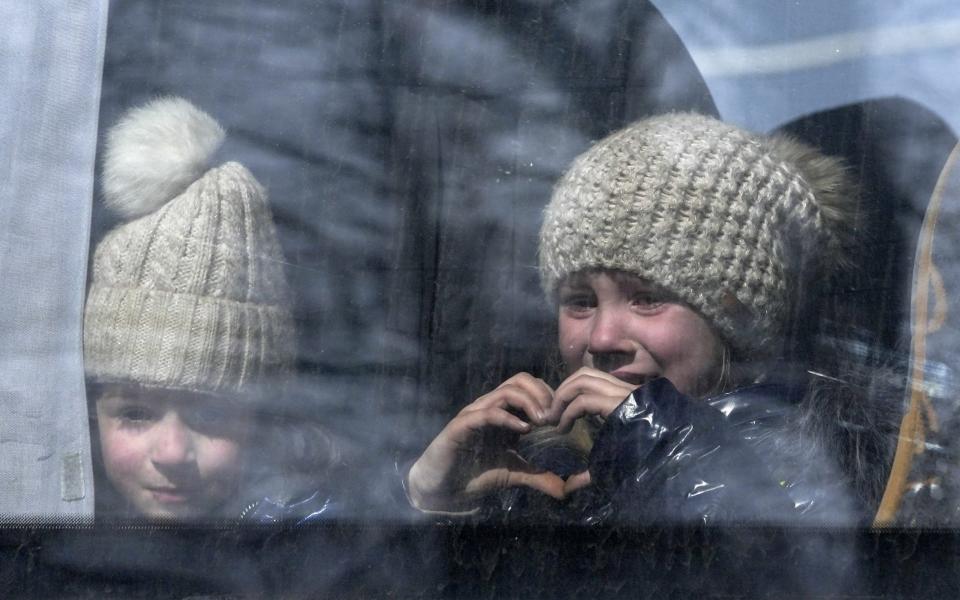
(408, 150)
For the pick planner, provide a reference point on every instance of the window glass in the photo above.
(470, 283)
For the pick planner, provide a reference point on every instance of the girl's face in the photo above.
(618, 323)
(171, 454)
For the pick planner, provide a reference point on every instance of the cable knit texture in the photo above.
(716, 215)
(193, 296)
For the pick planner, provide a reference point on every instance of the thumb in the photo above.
(544, 482)
(576, 482)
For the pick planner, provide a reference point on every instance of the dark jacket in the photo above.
(664, 458)
(309, 507)
(739, 457)
(295, 485)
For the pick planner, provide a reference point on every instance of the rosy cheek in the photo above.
(219, 458)
(695, 359)
(123, 454)
(572, 342)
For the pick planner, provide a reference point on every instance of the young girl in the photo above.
(188, 332)
(690, 263)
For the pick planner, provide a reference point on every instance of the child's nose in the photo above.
(173, 444)
(607, 332)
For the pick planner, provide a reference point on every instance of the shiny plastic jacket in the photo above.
(288, 498)
(310, 508)
(663, 457)
(738, 457)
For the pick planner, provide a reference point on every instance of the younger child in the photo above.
(188, 331)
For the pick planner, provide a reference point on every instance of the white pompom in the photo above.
(155, 152)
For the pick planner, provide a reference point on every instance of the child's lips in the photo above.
(630, 377)
(171, 495)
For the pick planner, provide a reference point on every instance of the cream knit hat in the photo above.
(731, 222)
(191, 293)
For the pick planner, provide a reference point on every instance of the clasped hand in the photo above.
(475, 454)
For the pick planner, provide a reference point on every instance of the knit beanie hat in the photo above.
(731, 222)
(189, 293)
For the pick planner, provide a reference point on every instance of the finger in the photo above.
(463, 430)
(547, 483)
(603, 375)
(587, 405)
(588, 376)
(465, 426)
(536, 387)
(587, 384)
(510, 396)
(442, 461)
(502, 478)
(576, 482)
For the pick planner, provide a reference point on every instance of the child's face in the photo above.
(620, 324)
(171, 454)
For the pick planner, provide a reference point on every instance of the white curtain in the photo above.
(51, 57)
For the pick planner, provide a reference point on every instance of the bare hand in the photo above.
(474, 454)
(586, 392)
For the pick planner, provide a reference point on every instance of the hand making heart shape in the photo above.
(475, 454)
